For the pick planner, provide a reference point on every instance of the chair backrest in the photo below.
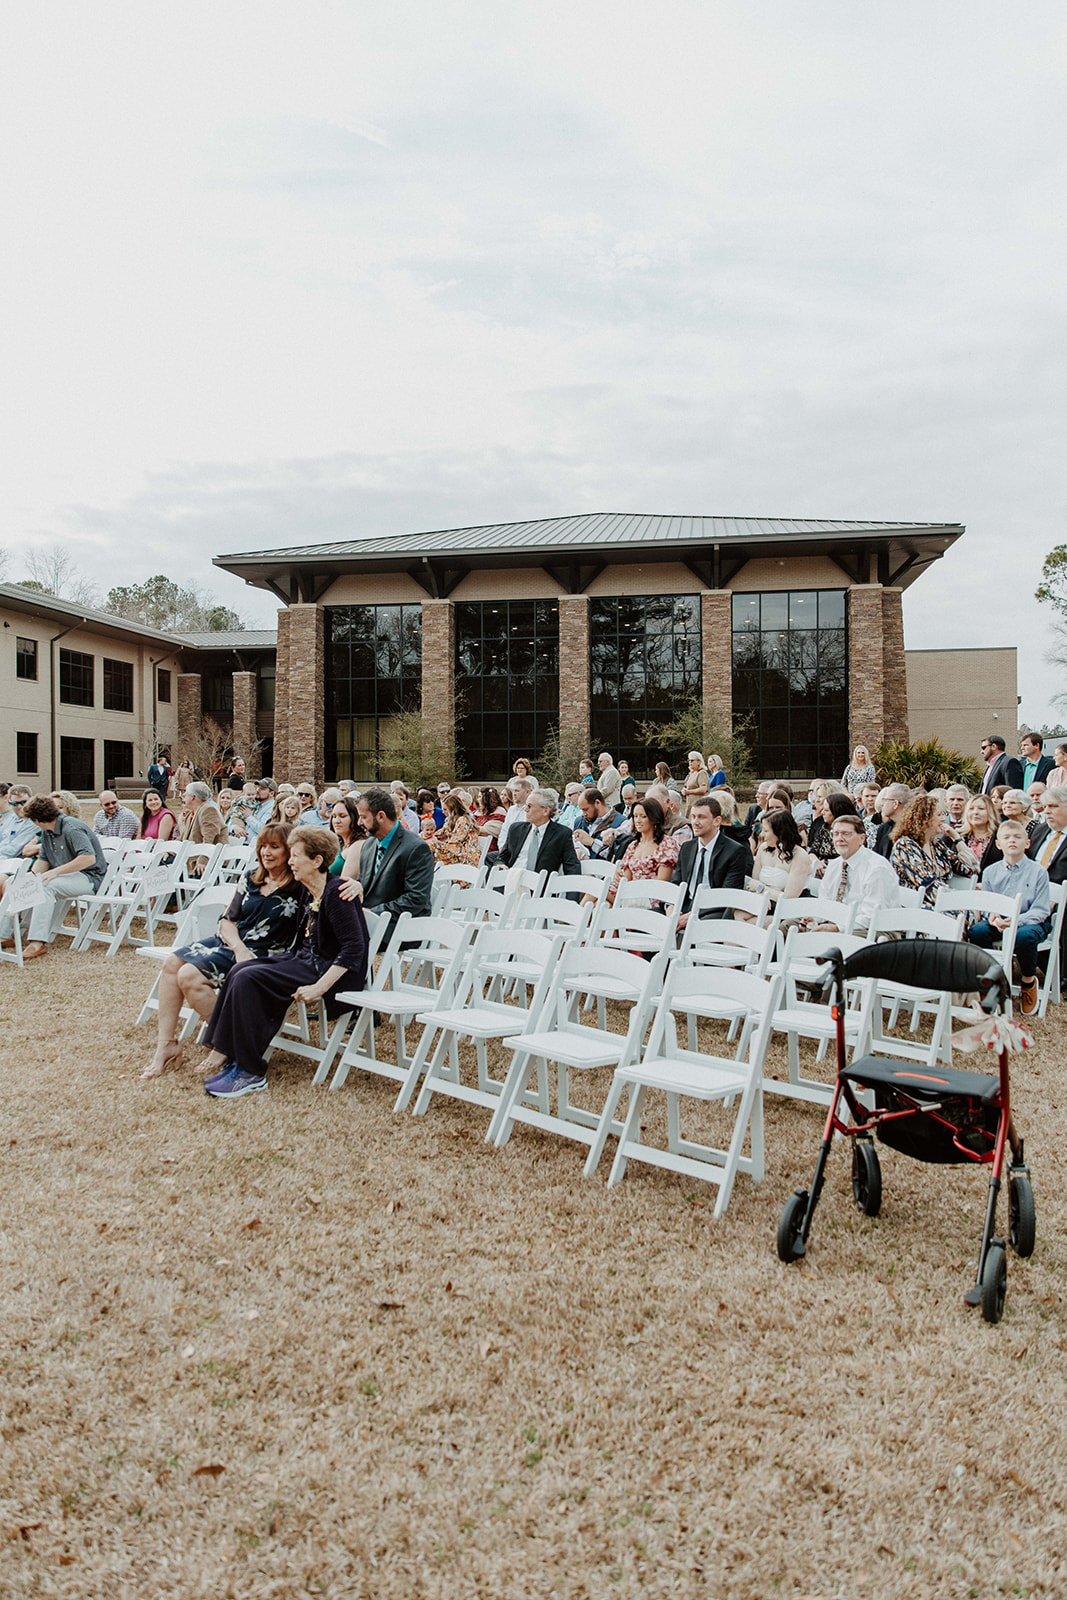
(551, 914)
(753, 905)
(494, 947)
(507, 878)
(419, 947)
(688, 992)
(715, 939)
(592, 868)
(458, 872)
(636, 979)
(978, 902)
(200, 918)
(804, 909)
(635, 928)
(377, 928)
(558, 884)
(914, 922)
(480, 905)
(648, 891)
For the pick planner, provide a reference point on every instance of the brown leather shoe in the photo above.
(31, 951)
(1028, 996)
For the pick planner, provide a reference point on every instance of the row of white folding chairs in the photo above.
(12, 868)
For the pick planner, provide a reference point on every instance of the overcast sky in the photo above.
(279, 272)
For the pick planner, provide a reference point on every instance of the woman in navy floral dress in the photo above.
(264, 918)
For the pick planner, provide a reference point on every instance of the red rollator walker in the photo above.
(935, 1114)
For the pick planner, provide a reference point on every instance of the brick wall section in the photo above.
(866, 674)
(307, 711)
(574, 664)
(281, 702)
(439, 671)
(716, 651)
(190, 713)
(244, 721)
(894, 672)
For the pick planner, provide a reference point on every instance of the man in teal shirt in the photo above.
(1036, 767)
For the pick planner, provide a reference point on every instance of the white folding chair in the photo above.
(446, 880)
(407, 982)
(294, 1037)
(560, 886)
(558, 1036)
(12, 868)
(695, 1075)
(914, 922)
(593, 867)
(757, 906)
(512, 881)
(981, 902)
(141, 890)
(483, 905)
(1050, 947)
(474, 1011)
(803, 1019)
(199, 921)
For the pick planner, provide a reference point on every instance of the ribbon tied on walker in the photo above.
(997, 1033)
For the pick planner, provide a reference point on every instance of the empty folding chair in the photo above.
(407, 981)
(695, 1075)
(558, 1036)
(1050, 948)
(800, 1019)
(199, 921)
(756, 906)
(718, 942)
(476, 1013)
(912, 922)
(446, 880)
(981, 902)
(482, 905)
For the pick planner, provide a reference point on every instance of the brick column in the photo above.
(716, 652)
(307, 709)
(244, 721)
(281, 701)
(574, 701)
(190, 713)
(894, 675)
(866, 675)
(438, 675)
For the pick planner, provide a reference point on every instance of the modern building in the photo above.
(606, 625)
(961, 696)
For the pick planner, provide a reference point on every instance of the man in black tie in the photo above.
(710, 859)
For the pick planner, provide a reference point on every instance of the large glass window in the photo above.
(644, 654)
(75, 680)
(118, 759)
(77, 764)
(507, 681)
(118, 685)
(373, 671)
(790, 677)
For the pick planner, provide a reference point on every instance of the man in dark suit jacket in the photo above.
(1049, 847)
(395, 865)
(754, 813)
(1036, 767)
(1000, 767)
(710, 858)
(539, 844)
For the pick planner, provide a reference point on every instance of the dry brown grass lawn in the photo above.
(297, 1345)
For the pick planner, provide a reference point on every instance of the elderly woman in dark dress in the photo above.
(332, 955)
(263, 917)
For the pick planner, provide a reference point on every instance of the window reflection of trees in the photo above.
(644, 660)
(790, 676)
(373, 671)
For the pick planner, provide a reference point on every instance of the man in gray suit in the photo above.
(395, 865)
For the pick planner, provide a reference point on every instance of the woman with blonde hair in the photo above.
(859, 771)
(716, 773)
(980, 822)
(696, 781)
(68, 803)
(923, 855)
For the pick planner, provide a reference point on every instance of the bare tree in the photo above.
(54, 571)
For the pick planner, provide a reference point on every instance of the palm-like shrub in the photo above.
(926, 764)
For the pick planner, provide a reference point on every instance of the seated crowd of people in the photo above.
(295, 928)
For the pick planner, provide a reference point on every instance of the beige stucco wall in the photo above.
(960, 696)
(25, 705)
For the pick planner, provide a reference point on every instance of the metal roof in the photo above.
(574, 550)
(32, 601)
(238, 639)
(592, 530)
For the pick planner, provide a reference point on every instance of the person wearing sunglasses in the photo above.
(16, 831)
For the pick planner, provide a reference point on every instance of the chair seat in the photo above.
(928, 1083)
(810, 1019)
(156, 952)
(477, 1022)
(603, 1050)
(388, 1001)
(699, 1077)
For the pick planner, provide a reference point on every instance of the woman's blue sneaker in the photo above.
(237, 1083)
(227, 1072)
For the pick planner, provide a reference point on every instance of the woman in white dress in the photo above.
(782, 865)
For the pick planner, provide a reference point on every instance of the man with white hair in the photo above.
(855, 877)
(540, 844)
(520, 789)
(609, 781)
(956, 798)
(569, 813)
(754, 814)
(890, 800)
(113, 821)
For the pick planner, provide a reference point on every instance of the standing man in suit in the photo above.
(395, 865)
(1036, 767)
(710, 859)
(610, 780)
(1000, 767)
(1048, 848)
(540, 844)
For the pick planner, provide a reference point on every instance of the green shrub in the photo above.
(417, 748)
(557, 765)
(926, 764)
(694, 728)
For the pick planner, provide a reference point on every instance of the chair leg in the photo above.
(596, 1149)
(432, 1073)
(633, 1119)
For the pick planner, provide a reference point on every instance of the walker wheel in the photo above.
(1022, 1217)
(866, 1177)
(790, 1226)
(994, 1283)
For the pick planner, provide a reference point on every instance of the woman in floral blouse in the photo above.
(263, 918)
(652, 853)
(456, 843)
(923, 855)
(859, 771)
